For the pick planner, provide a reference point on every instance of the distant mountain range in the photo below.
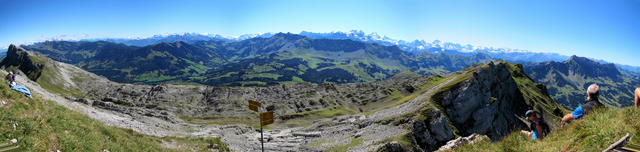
(258, 61)
(184, 37)
(414, 47)
(567, 81)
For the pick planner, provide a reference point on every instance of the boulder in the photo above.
(440, 128)
(423, 137)
(432, 133)
(393, 146)
(461, 141)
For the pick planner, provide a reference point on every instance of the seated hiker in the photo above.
(593, 92)
(11, 78)
(538, 127)
(637, 95)
(8, 77)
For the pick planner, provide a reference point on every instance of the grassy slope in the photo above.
(594, 133)
(42, 125)
(533, 94)
(51, 78)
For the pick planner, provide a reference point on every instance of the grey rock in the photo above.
(461, 141)
(487, 103)
(440, 128)
(392, 147)
(423, 136)
(357, 135)
(307, 134)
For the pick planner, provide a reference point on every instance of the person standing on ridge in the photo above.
(593, 92)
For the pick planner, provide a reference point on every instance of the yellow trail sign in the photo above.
(266, 118)
(254, 105)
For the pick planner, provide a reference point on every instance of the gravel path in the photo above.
(408, 106)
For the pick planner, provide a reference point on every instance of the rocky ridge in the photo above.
(492, 98)
(20, 60)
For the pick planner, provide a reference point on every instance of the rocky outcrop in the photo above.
(486, 103)
(432, 133)
(461, 141)
(423, 136)
(391, 147)
(490, 100)
(19, 58)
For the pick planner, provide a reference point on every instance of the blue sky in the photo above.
(599, 29)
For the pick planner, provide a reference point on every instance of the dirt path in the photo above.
(408, 106)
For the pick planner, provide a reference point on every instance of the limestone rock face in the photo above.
(492, 98)
(423, 136)
(440, 128)
(18, 57)
(487, 103)
(432, 133)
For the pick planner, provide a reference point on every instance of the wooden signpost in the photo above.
(266, 118)
(254, 105)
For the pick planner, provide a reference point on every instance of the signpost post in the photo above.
(266, 118)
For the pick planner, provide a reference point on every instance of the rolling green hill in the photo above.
(282, 58)
(567, 81)
(150, 64)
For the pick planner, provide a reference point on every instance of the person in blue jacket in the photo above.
(592, 102)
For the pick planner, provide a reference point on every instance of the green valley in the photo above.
(282, 58)
(567, 81)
